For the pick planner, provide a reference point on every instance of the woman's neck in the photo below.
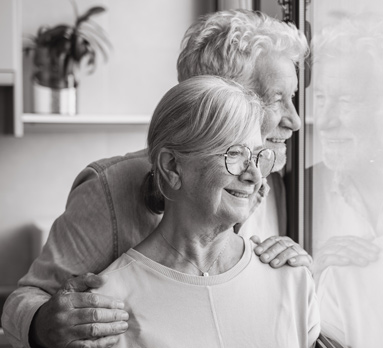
(192, 248)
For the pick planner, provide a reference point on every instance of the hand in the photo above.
(277, 251)
(345, 251)
(75, 318)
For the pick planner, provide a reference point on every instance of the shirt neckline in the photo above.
(194, 279)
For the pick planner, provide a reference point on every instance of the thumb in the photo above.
(255, 239)
(84, 282)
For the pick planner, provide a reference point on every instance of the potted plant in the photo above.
(58, 54)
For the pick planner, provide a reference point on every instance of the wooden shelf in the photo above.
(86, 119)
(7, 78)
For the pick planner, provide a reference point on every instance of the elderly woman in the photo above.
(194, 282)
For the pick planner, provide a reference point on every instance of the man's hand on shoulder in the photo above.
(75, 317)
(278, 251)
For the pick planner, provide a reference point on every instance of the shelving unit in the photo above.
(86, 119)
(10, 68)
(129, 85)
(12, 119)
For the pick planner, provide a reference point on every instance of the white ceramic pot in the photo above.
(54, 101)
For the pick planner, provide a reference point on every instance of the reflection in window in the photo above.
(347, 109)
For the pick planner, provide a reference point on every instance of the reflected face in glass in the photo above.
(277, 86)
(347, 110)
(211, 193)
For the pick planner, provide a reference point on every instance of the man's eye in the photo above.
(319, 99)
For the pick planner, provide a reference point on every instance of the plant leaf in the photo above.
(94, 43)
(75, 8)
(46, 36)
(91, 12)
(99, 32)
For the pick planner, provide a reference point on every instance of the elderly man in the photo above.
(51, 308)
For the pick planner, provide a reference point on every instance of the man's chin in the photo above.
(280, 153)
(279, 162)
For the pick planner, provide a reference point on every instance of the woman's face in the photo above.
(219, 198)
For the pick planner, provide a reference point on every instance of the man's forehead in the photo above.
(276, 76)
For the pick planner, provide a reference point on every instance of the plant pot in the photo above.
(48, 100)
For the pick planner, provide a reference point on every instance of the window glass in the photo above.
(344, 132)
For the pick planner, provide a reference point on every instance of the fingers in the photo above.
(345, 251)
(70, 316)
(84, 282)
(103, 342)
(301, 260)
(271, 247)
(255, 240)
(92, 300)
(97, 330)
(280, 254)
(283, 242)
(277, 251)
(98, 315)
(361, 242)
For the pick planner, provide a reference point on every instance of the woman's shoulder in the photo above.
(123, 263)
(284, 274)
(118, 277)
(297, 279)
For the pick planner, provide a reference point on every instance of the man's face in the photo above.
(347, 104)
(277, 86)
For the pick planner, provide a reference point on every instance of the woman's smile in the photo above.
(239, 193)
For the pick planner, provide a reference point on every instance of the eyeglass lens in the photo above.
(238, 159)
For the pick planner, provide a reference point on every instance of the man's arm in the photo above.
(81, 241)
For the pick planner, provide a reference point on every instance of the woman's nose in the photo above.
(252, 174)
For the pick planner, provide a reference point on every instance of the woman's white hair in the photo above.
(232, 44)
(199, 117)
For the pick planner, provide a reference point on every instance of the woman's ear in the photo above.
(169, 168)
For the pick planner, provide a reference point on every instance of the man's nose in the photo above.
(291, 119)
(327, 116)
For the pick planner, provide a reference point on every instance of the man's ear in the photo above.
(169, 168)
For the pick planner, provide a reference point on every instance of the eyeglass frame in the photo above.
(252, 157)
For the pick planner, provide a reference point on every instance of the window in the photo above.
(344, 167)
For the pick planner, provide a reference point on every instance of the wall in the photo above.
(37, 170)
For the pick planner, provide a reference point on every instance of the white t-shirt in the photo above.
(251, 305)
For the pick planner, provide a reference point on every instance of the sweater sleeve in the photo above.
(81, 240)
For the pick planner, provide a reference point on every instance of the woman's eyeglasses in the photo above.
(238, 159)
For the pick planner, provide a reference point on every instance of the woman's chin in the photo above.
(240, 218)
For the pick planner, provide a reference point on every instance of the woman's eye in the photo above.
(234, 154)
